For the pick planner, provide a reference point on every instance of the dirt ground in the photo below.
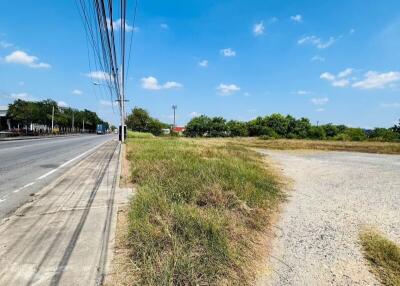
(332, 196)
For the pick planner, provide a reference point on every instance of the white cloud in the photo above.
(203, 63)
(117, 25)
(341, 83)
(151, 83)
(320, 109)
(164, 26)
(328, 76)
(228, 52)
(345, 72)
(319, 101)
(21, 95)
(297, 18)
(227, 89)
(258, 29)
(302, 92)
(62, 104)
(77, 92)
(99, 75)
(22, 58)
(374, 80)
(194, 114)
(171, 84)
(317, 58)
(317, 42)
(108, 103)
(352, 31)
(5, 44)
(391, 105)
(338, 80)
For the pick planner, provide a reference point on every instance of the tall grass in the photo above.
(199, 212)
(383, 256)
(135, 134)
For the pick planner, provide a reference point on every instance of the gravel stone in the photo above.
(333, 196)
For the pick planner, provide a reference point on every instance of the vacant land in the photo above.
(294, 144)
(383, 256)
(333, 195)
(200, 213)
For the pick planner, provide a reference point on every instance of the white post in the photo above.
(52, 121)
(83, 125)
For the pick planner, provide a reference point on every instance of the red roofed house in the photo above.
(179, 129)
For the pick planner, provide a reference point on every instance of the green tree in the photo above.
(237, 128)
(198, 126)
(140, 120)
(317, 132)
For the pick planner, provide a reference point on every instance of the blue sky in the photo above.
(330, 61)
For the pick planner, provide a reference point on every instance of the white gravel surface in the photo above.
(332, 197)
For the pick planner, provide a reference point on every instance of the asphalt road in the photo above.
(29, 165)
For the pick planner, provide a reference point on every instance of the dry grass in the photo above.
(200, 213)
(294, 144)
(383, 257)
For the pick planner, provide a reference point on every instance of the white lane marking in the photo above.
(2, 200)
(52, 141)
(24, 187)
(69, 162)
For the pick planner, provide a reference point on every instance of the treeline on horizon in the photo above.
(24, 113)
(273, 126)
(277, 126)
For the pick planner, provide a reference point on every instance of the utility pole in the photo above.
(174, 107)
(52, 121)
(83, 125)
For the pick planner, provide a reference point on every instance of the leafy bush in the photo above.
(355, 134)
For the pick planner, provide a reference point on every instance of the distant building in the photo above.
(4, 121)
(179, 129)
(166, 131)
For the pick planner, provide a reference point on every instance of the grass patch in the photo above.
(200, 212)
(383, 256)
(135, 134)
(324, 145)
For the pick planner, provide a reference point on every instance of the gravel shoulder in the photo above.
(332, 196)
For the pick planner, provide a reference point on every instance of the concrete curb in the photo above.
(122, 198)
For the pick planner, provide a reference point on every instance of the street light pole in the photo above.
(174, 107)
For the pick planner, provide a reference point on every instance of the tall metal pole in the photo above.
(174, 107)
(52, 121)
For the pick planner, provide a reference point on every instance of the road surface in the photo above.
(64, 236)
(27, 166)
(332, 196)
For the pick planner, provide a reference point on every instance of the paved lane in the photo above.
(29, 165)
(65, 236)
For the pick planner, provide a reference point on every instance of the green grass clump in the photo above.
(135, 134)
(199, 212)
(383, 256)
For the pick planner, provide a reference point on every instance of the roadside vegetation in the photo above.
(136, 134)
(277, 126)
(323, 145)
(25, 113)
(200, 213)
(383, 257)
